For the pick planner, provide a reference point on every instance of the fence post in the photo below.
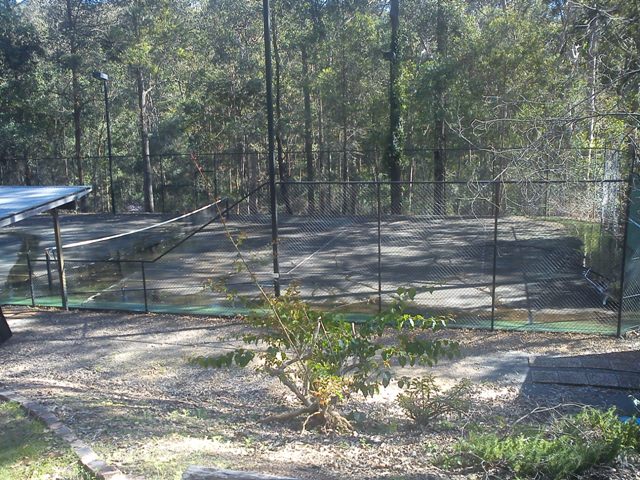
(632, 153)
(144, 288)
(33, 299)
(379, 246)
(496, 213)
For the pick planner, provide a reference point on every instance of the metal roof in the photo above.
(18, 203)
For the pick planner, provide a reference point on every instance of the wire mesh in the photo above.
(328, 242)
(441, 244)
(541, 254)
(557, 264)
(630, 311)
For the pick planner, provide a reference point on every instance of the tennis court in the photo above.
(346, 260)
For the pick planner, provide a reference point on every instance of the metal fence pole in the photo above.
(144, 288)
(271, 145)
(379, 246)
(33, 299)
(632, 152)
(496, 213)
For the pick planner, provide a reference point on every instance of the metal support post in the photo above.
(144, 288)
(271, 158)
(496, 213)
(629, 192)
(33, 298)
(379, 246)
(60, 256)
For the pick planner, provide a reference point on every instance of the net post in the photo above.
(496, 213)
(632, 155)
(379, 245)
(144, 287)
(33, 298)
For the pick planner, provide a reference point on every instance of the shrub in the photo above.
(570, 446)
(423, 400)
(322, 358)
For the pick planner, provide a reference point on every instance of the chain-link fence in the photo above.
(540, 254)
(185, 181)
(503, 254)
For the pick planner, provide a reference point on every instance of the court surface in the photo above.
(336, 262)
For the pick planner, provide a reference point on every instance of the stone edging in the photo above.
(88, 458)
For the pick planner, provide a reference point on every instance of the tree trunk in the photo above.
(345, 157)
(28, 174)
(77, 105)
(283, 167)
(308, 136)
(325, 173)
(144, 138)
(592, 82)
(439, 153)
(394, 146)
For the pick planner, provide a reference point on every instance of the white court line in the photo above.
(112, 288)
(318, 250)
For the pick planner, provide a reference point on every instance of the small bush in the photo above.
(423, 400)
(570, 446)
(322, 358)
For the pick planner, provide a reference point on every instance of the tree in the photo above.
(322, 358)
(73, 29)
(21, 98)
(394, 147)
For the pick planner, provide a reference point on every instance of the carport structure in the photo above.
(19, 203)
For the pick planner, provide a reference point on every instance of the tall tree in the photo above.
(394, 146)
(439, 153)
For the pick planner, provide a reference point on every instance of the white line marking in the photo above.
(318, 250)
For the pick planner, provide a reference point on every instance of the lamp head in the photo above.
(100, 75)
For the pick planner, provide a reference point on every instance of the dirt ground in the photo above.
(124, 384)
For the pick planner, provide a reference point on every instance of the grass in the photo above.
(29, 451)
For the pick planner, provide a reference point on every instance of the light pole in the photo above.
(105, 78)
(270, 133)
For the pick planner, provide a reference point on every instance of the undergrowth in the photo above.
(570, 446)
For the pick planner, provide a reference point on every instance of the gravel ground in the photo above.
(123, 383)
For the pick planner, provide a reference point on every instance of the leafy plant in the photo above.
(322, 358)
(423, 400)
(570, 446)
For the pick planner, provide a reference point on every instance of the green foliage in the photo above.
(570, 446)
(323, 358)
(423, 401)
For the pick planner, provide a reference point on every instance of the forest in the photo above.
(431, 90)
